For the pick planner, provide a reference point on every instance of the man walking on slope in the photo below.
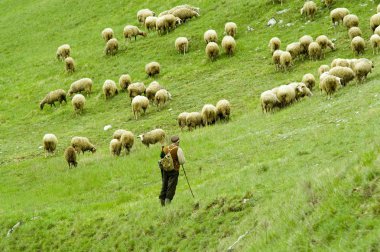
(170, 178)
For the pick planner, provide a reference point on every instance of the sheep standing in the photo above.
(322, 69)
(208, 114)
(181, 119)
(112, 46)
(115, 147)
(375, 43)
(309, 9)
(362, 68)
(151, 90)
(127, 139)
(353, 32)
(109, 89)
(344, 73)
(230, 28)
(153, 137)
(229, 45)
(274, 44)
(315, 51)
(184, 14)
(161, 97)
(212, 50)
(137, 88)
(107, 34)
(374, 21)
(358, 45)
(82, 144)
(143, 14)
(132, 31)
(286, 95)
(53, 96)
(182, 45)
(71, 156)
(194, 120)
(276, 59)
(223, 110)
(286, 60)
(309, 81)
(80, 85)
(338, 14)
(152, 68)
(328, 3)
(78, 103)
(268, 101)
(139, 103)
(63, 52)
(117, 134)
(351, 20)
(304, 44)
(340, 62)
(324, 42)
(69, 65)
(50, 142)
(124, 81)
(294, 49)
(150, 23)
(210, 36)
(166, 23)
(329, 84)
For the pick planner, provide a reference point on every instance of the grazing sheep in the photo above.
(161, 97)
(294, 49)
(269, 101)
(194, 120)
(223, 110)
(124, 81)
(274, 44)
(71, 157)
(182, 45)
(208, 114)
(127, 139)
(358, 45)
(374, 22)
(375, 43)
(153, 137)
(150, 23)
(212, 50)
(185, 14)
(276, 59)
(186, 6)
(315, 51)
(304, 43)
(167, 23)
(50, 142)
(132, 31)
(351, 20)
(210, 36)
(328, 3)
(338, 14)
(362, 68)
(78, 102)
(344, 73)
(340, 62)
(152, 68)
(300, 89)
(309, 81)
(286, 95)
(353, 32)
(107, 34)
(135, 89)
(82, 144)
(53, 96)
(115, 147)
(286, 60)
(112, 46)
(139, 103)
(151, 90)
(322, 69)
(69, 65)
(63, 52)
(309, 9)
(329, 84)
(143, 14)
(109, 89)
(230, 28)
(325, 42)
(229, 45)
(181, 119)
(377, 31)
(117, 134)
(80, 85)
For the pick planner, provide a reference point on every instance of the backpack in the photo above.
(167, 161)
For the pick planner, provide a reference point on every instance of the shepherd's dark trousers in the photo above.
(169, 184)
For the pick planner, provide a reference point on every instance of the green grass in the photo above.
(304, 178)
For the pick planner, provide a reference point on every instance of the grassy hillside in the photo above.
(303, 178)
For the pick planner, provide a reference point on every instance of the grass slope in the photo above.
(303, 178)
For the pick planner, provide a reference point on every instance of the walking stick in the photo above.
(187, 180)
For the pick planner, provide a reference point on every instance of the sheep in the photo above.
(209, 114)
(362, 68)
(375, 43)
(82, 144)
(338, 14)
(324, 42)
(117, 134)
(322, 69)
(139, 102)
(107, 34)
(374, 21)
(229, 45)
(186, 6)
(286, 95)
(377, 31)
(115, 147)
(230, 28)
(132, 31)
(112, 46)
(276, 59)
(185, 14)
(274, 44)
(53, 96)
(353, 32)
(210, 36)
(69, 65)
(223, 110)
(329, 84)
(50, 142)
(181, 119)
(109, 89)
(71, 157)
(143, 14)
(127, 139)
(328, 3)
(161, 97)
(124, 81)
(315, 51)
(358, 45)
(340, 62)
(212, 50)
(80, 85)
(134, 89)
(150, 23)
(153, 137)
(78, 103)
(344, 73)
(268, 101)
(351, 20)
(151, 90)
(182, 45)
(309, 81)
(152, 68)
(63, 52)
(309, 9)
(304, 43)
(294, 49)
(300, 89)
(194, 120)
(286, 60)
(167, 23)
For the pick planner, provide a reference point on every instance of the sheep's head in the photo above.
(93, 149)
(143, 34)
(42, 104)
(141, 137)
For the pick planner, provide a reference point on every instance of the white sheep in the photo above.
(309, 80)
(329, 84)
(115, 147)
(304, 43)
(374, 21)
(181, 119)
(194, 120)
(340, 62)
(151, 90)
(182, 45)
(276, 59)
(150, 23)
(344, 73)
(309, 9)
(63, 52)
(322, 69)
(112, 46)
(127, 139)
(82, 144)
(186, 6)
(230, 28)
(274, 44)
(358, 45)
(229, 45)
(143, 14)
(117, 134)
(185, 13)
(167, 23)
(161, 97)
(362, 68)
(223, 110)
(78, 103)
(351, 20)
(375, 43)
(50, 143)
(71, 156)
(53, 96)
(109, 89)
(69, 65)
(210, 36)
(285, 94)
(124, 81)
(286, 61)
(137, 88)
(294, 49)
(338, 14)
(153, 137)
(132, 31)
(107, 34)
(269, 101)
(353, 32)
(212, 50)
(139, 103)
(209, 114)
(324, 42)
(84, 84)
(328, 3)
(152, 68)
(300, 89)
(315, 51)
